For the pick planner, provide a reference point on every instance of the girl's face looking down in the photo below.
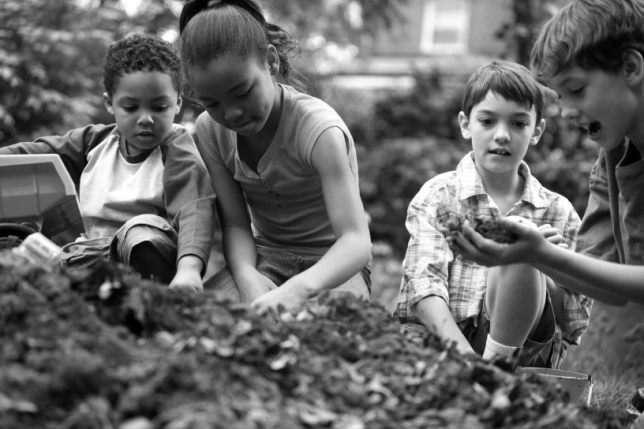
(238, 93)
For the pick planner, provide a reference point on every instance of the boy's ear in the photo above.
(179, 102)
(538, 132)
(273, 60)
(633, 67)
(464, 122)
(108, 103)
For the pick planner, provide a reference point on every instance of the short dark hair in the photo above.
(510, 80)
(140, 53)
(592, 34)
(212, 28)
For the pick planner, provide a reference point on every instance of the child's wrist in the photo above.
(190, 263)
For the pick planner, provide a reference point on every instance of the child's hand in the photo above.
(188, 275)
(290, 296)
(551, 234)
(253, 285)
(187, 279)
(483, 251)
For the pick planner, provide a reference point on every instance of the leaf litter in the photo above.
(99, 348)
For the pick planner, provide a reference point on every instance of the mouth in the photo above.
(239, 125)
(594, 129)
(499, 151)
(145, 134)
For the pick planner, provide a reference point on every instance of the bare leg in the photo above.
(515, 301)
(150, 263)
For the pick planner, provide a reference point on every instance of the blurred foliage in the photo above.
(51, 51)
(334, 32)
(51, 54)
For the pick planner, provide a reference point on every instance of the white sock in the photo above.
(494, 349)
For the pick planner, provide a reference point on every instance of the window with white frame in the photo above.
(445, 26)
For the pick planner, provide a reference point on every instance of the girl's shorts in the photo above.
(279, 266)
(143, 228)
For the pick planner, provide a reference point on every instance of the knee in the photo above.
(514, 279)
(517, 275)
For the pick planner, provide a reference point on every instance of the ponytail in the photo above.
(211, 28)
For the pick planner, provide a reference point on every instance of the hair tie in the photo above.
(192, 8)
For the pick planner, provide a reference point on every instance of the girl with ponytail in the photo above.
(283, 164)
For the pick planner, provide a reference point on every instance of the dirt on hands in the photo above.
(488, 227)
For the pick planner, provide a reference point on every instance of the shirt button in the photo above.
(266, 183)
(279, 206)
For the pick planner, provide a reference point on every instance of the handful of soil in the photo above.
(488, 227)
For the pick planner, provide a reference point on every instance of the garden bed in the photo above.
(102, 349)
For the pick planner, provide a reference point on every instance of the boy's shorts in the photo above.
(143, 228)
(279, 266)
(536, 351)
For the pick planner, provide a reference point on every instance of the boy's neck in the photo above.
(505, 189)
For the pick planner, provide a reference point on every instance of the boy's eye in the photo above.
(576, 91)
(161, 108)
(521, 124)
(130, 108)
(486, 121)
(245, 93)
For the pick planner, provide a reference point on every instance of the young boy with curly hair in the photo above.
(592, 54)
(493, 311)
(145, 195)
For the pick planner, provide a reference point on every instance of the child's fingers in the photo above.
(512, 224)
(555, 239)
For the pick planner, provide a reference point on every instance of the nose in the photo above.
(145, 118)
(233, 113)
(501, 134)
(568, 111)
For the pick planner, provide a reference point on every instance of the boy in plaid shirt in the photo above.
(492, 311)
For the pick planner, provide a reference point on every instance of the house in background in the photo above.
(454, 36)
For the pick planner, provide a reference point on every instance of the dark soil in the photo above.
(101, 349)
(488, 227)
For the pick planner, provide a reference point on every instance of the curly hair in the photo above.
(140, 53)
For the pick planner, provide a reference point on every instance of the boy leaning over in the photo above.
(492, 311)
(591, 53)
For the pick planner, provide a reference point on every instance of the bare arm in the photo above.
(239, 247)
(352, 250)
(435, 315)
(605, 281)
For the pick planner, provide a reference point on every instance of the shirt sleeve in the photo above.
(189, 197)
(426, 264)
(71, 147)
(576, 306)
(596, 237)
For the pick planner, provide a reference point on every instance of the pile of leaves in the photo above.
(100, 348)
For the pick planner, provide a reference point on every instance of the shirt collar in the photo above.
(471, 183)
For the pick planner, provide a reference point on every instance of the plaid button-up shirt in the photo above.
(430, 268)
